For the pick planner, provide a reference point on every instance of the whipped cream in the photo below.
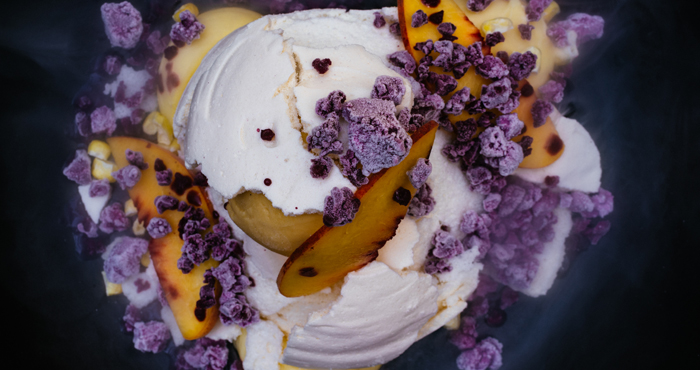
(260, 77)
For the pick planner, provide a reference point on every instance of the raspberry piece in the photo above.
(492, 68)
(123, 24)
(552, 91)
(521, 65)
(496, 93)
(494, 38)
(510, 124)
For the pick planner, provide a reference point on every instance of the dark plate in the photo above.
(631, 302)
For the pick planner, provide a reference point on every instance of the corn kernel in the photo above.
(453, 324)
(537, 53)
(189, 6)
(110, 287)
(103, 169)
(130, 208)
(99, 149)
(152, 122)
(501, 25)
(137, 228)
(550, 11)
(146, 259)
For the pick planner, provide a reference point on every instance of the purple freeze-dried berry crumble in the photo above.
(78, 169)
(113, 218)
(152, 336)
(127, 176)
(419, 18)
(158, 227)
(123, 24)
(478, 5)
(388, 88)
(540, 111)
(420, 172)
(188, 29)
(340, 207)
(124, 259)
(379, 20)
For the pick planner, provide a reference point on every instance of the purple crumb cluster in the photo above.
(379, 20)
(340, 207)
(187, 30)
(535, 8)
(113, 218)
(206, 353)
(123, 24)
(124, 259)
(420, 172)
(234, 308)
(422, 202)
(587, 27)
(388, 88)
(152, 336)
(375, 135)
(78, 169)
(478, 5)
(127, 176)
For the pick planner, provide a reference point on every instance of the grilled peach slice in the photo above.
(267, 225)
(332, 252)
(547, 146)
(181, 290)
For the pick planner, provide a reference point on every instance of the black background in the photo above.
(631, 302)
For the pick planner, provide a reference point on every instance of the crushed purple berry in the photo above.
(123, 24)
(465, 336)
(376, 136)
(419, 18)
(158, 228)
(235, 309)
(521, 65)
(457, 102)
(102, 120)
(510, 124)
(206, 354)
(492, 68)
(321, 65)
(127, 176)
(78, 169)
(136, 159)
(404, 61)
(525, 31)
(113, 218)
(321, 167)
(340, 207)
(379, 20)
(422, 203)
(331, 104)
(152, 336)
(535, 8)
(165, 202)
(99, 188)
(420, 172)
(388, 88)
(478, 5)
(188, 29)
(112, 65)
(124, 259)
(395, 29)
(485, 355)
(552, 91)
(540, 111)
(445, 245)
(494, 38)
(496, 93)
(349, 163)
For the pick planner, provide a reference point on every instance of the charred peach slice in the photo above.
(181, 290)
(332, 252)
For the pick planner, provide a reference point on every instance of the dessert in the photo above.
(297, 196)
